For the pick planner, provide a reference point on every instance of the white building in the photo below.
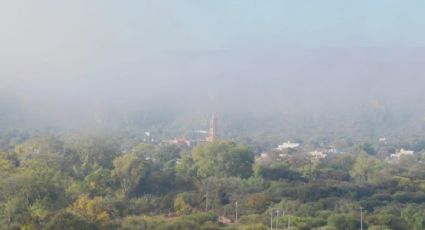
(383, 140)
(332, 149)
(402, 152)
(287, 145)
(264, 155)
(318, 154)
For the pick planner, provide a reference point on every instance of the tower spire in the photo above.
(213, 129)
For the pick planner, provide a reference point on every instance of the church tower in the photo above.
(213, 129)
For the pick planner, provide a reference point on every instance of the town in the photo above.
(208, 182)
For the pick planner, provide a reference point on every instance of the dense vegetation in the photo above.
(98, 181)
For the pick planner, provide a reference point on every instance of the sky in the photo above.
(70, 56)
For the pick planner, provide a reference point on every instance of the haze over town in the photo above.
(212, 115)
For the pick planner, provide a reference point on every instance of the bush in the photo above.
(254, 227)
(343, 221)
(279, 173)
(68, 221)
(134, 223)
(145, 223)
(257, 202)
(182, 225)
(202, 217)
(409, 197)
(181, 207)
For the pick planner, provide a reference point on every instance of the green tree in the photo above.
(98, 183)
(182, 204)
(167, 152)
(88, 152)
(223, 159)
(368, 148)
(186, 166)
(7, 164)
(413, 217)
(129, 169)
(364, 167)
(343, 221)
(95, 210)
(48, 145)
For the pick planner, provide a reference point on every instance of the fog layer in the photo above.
(69, 63)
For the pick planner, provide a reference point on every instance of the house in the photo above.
(283, 155)
(402, 152)
(182, 141)
(264, 155)
(383, 140)
(332, 150)
(287, 145)
(318, 154)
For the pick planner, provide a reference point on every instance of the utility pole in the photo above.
(289, 222)
(271, 219)
(277, 218)
(206, 202)
(236, 211)
(361, 218)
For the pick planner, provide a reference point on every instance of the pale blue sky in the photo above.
(227, 24)
(156, 25)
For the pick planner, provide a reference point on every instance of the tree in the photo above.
(129, 169)
(48, 145)
(368, 148)
(13, 211)
(364, 167)
(387, 217)
(6, 164)
(257, 202)
(167, 152)
(98, 183)
(182, 203)
(94, 210)
(186, 166)
(223, 159)
(413, 217)
(277, 172)
(343, 221)
(343, 162)
(89, 152)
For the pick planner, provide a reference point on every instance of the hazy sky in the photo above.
(65, 54)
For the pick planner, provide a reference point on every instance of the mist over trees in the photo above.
(212, 115)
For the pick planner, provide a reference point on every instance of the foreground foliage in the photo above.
(92, 182)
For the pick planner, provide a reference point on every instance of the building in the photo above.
(287, 145)
(402, 152)
(383, 140)
(318, 154)
(264, 155)
(212, 134)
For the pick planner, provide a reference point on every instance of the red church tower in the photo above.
(213, 129)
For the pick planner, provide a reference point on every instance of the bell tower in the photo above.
(213, 129)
